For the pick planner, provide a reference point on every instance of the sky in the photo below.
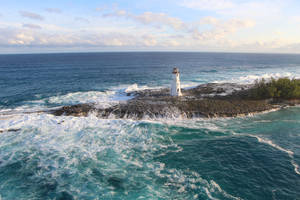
(34, 26)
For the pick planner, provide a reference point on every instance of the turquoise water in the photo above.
(253, 157)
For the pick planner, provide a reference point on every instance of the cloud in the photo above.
(20, 38)
(130, 30)
(220, 28)
(67, 38)
(32, 26)
(275, 45)
(208, 4)
(160, 19)
(11, 36)
(150, 18)
(209, 20)
(53, 10)
(82, 20)
(101, 8)
(295, 19)
(31, 15)
(122, 29)
(149, 40)
(118, 13)
(14, 37)
(295, 47)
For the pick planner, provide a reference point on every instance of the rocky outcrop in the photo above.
(10, 130)
(208, 100)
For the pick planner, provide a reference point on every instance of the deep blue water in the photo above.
(254, 157)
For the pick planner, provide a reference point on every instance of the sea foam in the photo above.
(272, 144)
(63, 145)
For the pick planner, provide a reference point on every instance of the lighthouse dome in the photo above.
(175, 70)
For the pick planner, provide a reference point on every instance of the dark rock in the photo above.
(13, 129)
(10, 130)
(207, 100)
(75, 110)
(65, 196)
(115, 182)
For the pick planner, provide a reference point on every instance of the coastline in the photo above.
(210, 100)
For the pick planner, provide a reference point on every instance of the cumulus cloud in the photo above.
(275, 45)
(209, 20)
(101, 8)
(82, 20)
(221, 28)
(150, 18)
(207, 33)
(218, 28)
(160, 19)
(173, 32)
(295, 47)
(206, 40)
(149, 40)
(32, 26)
(53, 10)
(14, 37)
(31, 15)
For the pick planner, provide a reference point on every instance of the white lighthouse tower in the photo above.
(175, 87)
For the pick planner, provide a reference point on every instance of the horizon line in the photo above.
(148, 51)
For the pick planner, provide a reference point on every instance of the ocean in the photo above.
(48, 157)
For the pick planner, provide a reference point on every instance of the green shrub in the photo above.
(282, 88)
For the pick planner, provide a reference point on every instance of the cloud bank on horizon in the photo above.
(187, 25)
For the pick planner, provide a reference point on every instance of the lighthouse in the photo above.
(175, 87)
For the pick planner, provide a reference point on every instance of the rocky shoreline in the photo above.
(204, 101)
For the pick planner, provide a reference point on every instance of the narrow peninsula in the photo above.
(204, 101)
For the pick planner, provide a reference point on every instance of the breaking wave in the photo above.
(63, 152)
(272, 144)
(102, 99)
(251, 78)
(267, 76)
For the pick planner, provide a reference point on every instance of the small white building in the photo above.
(175, 87)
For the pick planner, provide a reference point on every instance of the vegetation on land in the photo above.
(282, 88)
